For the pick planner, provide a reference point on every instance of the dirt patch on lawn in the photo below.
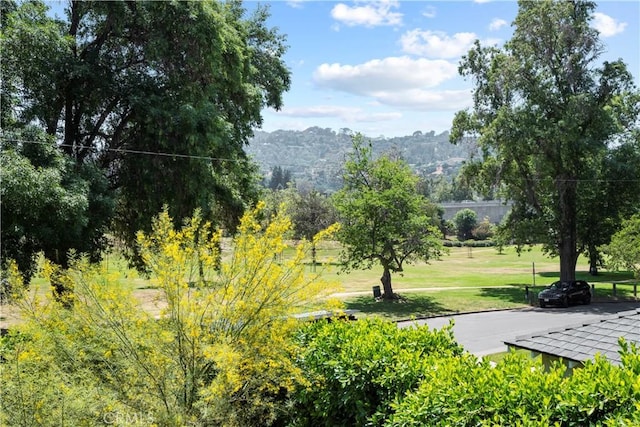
(9, 316)
(149, 300)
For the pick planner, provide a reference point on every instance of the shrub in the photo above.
(483, 231)
(12, 286)
(220, 353)
(356, 369)
(468, 243)
(519, 391)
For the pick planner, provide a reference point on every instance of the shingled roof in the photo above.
(582, 342)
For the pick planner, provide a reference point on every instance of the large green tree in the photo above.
(161, 96)
(49, 203)
(544, 107)
(466, 221)
(384, 219)
(279, 178)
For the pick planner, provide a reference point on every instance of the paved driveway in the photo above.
(485, 333)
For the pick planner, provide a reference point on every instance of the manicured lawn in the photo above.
(438, 302)
(461, 281)
(483, 267)
(466, 281)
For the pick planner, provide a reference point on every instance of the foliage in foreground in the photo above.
(518, 391)
(356, 369)
(156, 99)
(373, 373)
(49, 204)
(220, 353)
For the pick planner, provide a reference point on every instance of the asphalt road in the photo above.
(485, 333)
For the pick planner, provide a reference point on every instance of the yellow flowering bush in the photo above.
(220, 352)
(12, 285)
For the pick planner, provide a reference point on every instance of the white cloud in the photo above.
(481, 1)
(369, 14)
(388, 74)
(399, 82)
(497, 23)
(425, 100)
(348, 114)
(436, 44)
(491, 42)
(606, 25)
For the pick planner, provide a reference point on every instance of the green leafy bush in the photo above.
(468, 243)
(356, 369)
(519, 391)
(372, 373)
(484, 230)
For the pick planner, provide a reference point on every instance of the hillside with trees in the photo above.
(316, 155)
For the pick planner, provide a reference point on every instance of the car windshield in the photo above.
(559, 286)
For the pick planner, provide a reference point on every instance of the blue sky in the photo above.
(390, 67)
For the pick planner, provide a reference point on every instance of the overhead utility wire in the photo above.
(124, 150)
(220, 159)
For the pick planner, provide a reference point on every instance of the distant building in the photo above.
(495, 210)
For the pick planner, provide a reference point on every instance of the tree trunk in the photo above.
(386, 284)
(593, 260)
(567, 227)
(568, 259)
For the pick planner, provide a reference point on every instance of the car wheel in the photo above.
(565, 301)
(587, 299)
(542, 304)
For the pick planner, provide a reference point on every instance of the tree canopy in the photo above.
(544, 109)
(383, 217)
(49, 203)
(465, 221)
(160, 96)
(280, 178)
(624, 249)
(311, 212)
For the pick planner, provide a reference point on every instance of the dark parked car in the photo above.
(565, 292)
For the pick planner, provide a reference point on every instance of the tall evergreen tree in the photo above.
(543, 110)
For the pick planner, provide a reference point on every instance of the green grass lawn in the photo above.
(467, 281)
(438, 302)
(483, 267)
(461, 281)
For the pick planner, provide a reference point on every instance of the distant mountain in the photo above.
(316, 155)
